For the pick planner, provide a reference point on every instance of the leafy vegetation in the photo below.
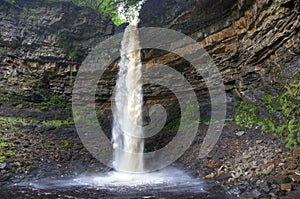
(246, 115)
(53, 102)
(57, 123)
(32, 17)
(11, 1)
(108, 7)
(11, 121)
(282, 118)
(43, 102)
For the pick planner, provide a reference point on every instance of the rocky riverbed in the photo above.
(244, 163)
(249, 164)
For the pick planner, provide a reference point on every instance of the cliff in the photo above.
(252, 43)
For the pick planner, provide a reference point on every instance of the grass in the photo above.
(6, 143)
(57, 123)
(7, 126)
(47, 123)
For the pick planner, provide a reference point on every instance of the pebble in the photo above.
(258, 141)
(240, 133)
(2, 165)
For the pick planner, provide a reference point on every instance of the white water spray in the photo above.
(127, 130)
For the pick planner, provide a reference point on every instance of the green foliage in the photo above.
(282, 118)
(57, 123)
(11, 1)
(46, 102)
(53, 102)
(11, 121)
(4, 99)
(65, 41)
(107, 7)
(246, 115)
(172, 126)
(8, 131)
(6, 143)
(3, 144)
(32, 18)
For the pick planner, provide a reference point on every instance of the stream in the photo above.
(167, 183)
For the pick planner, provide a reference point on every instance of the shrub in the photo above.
(282, 118)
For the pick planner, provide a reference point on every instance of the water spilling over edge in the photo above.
(127, 130)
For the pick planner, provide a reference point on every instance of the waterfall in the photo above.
(127, 126)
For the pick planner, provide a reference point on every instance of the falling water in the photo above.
(127, 130)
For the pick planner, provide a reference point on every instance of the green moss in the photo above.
(32, 17)
(14, 121)
(172, 126)
(66, 42)
(53, 102)
(9, 133)
(4, 99)
(282, 118)
(58, 123)
(11, 1)
(6, 143)
(246, 115)
(11, 121)
(47, 103)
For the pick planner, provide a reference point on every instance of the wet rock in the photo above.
(246, 195)
(295, 194)
(256, 193)
(258, 141)
(2, 165)
(268, 170)
(297, 173)
(295, 178)
(240, 133)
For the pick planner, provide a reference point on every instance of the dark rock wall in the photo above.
(43, 44)
(255, 44)
(202, 16)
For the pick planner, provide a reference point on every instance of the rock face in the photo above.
(42, 44)
(202, 16)
(253, 43)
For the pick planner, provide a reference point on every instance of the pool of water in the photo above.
(167, 183)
